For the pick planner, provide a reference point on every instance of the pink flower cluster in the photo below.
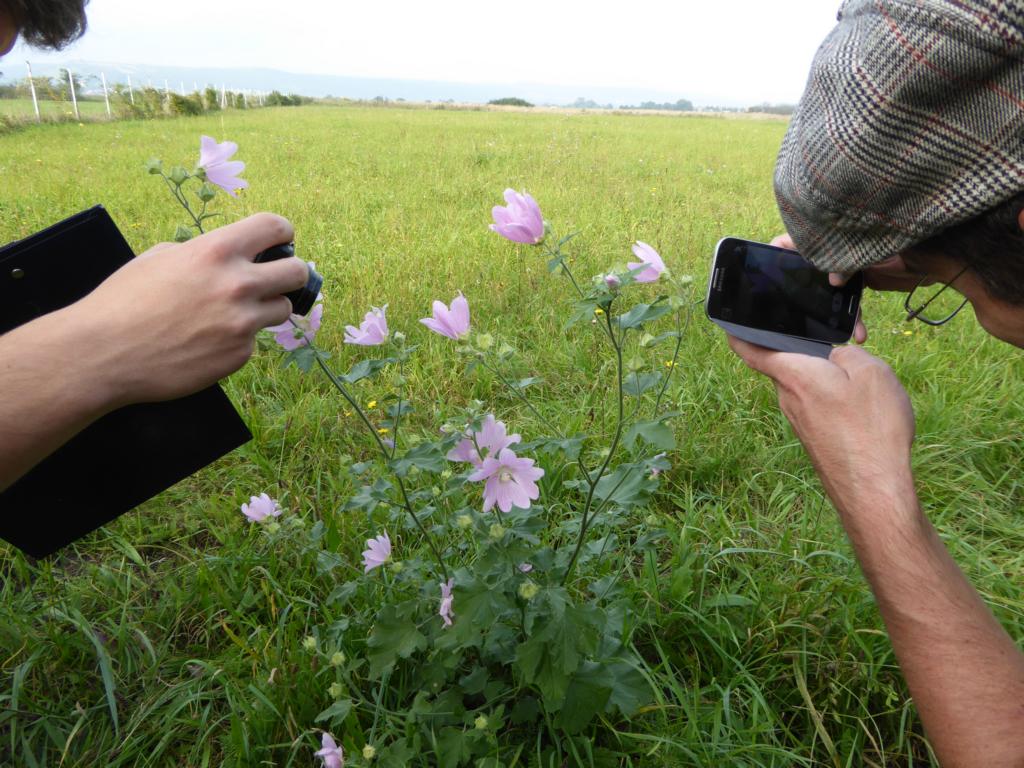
(509, 481)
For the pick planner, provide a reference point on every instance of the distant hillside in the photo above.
(353, 87)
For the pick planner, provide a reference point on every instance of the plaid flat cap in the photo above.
(912, 121)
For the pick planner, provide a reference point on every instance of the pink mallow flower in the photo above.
(377, 552)
(509, 481)
(445, 611)
(650, 260)
(520, 221)
(213, 158)
(298, 331)
(331, 753)
(372, 331)
(260, 508)
(452, 321)
(491, 439)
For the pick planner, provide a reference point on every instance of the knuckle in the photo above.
(277, 227)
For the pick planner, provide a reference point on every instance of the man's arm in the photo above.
(963, 670)
(168, 323)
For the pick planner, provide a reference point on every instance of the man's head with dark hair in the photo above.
(991, 245)
(45, 23)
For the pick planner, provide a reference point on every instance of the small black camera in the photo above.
(304, 298)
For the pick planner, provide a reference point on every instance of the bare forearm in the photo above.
(53, 385)
(963, 670)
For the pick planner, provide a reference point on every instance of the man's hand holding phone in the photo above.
(852, 416)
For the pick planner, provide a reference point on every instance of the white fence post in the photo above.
(74, 98)
(32, 87)
(131, 93)
(106, 96)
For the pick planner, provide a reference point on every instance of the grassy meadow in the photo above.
(174, 636)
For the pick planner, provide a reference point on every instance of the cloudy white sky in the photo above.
(736, 50)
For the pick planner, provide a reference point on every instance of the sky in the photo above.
(742, 51)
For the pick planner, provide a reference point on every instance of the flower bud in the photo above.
(178, 175)
(464, 521)
(676, 303)
(634, 364)
(652, 520)
(506, 351)
(336, 691)
(309, 643)
(497, 531)
(399, 337)
(481, 723)
(445, 474)
(613, 281)
(206, 193)
(397, 566)
(272, 527)
(685, 279)
(369, 752)
(528, 590)
(154, 165)
(182, 233)
(646, 339)
(484, 341)
(337, 659)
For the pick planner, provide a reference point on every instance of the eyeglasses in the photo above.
(918, 313)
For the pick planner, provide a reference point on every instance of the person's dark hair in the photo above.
(991, 245)
(48, 23)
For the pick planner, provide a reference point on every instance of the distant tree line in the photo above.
(683, 105)
(510, 101)
(773, 109)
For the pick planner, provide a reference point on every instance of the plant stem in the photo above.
(384, 452)
(176, 191)
(680, 330)
(585, 520)
(515, 390)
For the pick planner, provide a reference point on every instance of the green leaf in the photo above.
(425, 456)
(364, 369)
(587, 695)
(529, 381)
(662, 337)
(584, 312)
(368, 496)
(630, 689)
(327, 561)
(635, 384)
(656, 433)
(394, 636)
(627, 486)
(396, 754)
(642, 313)
(182, 233)
(453, 748)
(335, 713)
(555, 263)
(304, 358)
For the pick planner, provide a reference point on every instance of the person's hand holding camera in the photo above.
(167, 324)
(180, 317)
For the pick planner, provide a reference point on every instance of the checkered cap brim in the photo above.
(912, 121)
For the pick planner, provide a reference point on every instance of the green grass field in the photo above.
(760, 638)
(49, 109)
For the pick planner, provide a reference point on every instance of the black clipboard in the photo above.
(125, 457)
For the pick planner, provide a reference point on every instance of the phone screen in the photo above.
(775, 289)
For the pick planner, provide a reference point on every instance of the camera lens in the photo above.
(304, 298)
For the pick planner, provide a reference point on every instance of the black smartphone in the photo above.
(776, 291)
